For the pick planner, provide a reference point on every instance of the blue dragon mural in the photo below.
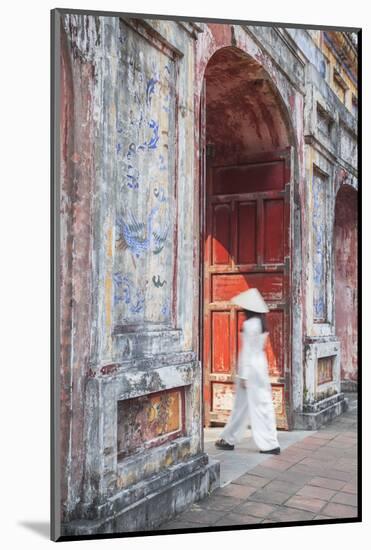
(131, 158)
(143, 230)
(150, 90)
(126, 292)
(140, 237)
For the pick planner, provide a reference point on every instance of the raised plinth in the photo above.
(316, 414)
(146, 505)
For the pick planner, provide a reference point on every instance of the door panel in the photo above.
(221, 232)
(257, 177)
(273, 231)
(222, 399)
(246, 232)
(275, 344)
(227, 285)
(221, 359)
(246, 245)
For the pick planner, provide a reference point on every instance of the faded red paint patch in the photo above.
(75, 158)
(222, 34)
(109, 369)
(76, 194)
(346, 270)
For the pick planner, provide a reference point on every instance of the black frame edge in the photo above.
(55, 518)
(206, 19)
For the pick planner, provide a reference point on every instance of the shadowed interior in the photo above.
(242, 108)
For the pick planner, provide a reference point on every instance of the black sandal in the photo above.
(275, 451)
(222, 444)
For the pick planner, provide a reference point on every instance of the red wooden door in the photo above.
(246, 245)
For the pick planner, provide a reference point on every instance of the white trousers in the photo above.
(257, 404)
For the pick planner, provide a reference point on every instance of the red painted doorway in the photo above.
(246, 230)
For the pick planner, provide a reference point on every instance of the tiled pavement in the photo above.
(245, 456)
(314, 478)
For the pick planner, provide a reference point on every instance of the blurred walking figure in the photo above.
(253, 392)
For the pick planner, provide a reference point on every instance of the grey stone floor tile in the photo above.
(237, 519)
(283, 513)
(269, 496)
(256, 509)
(204, 517)
(224, 503)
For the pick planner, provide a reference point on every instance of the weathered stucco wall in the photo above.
(331, 160)
(346, 282)
(127, 109)
(77, 181)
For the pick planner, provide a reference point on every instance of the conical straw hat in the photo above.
(252, 300)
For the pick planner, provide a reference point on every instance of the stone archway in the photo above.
(345, 249)
(247, 224)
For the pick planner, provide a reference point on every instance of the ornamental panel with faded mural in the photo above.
(145, 150)
(319, 248)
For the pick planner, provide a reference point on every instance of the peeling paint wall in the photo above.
(132, 378)
(346, 280)
(77, 181)
(331, 160)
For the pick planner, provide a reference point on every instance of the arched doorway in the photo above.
(246, 224)
(345, 246)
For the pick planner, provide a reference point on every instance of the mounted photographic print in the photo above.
(205, 308)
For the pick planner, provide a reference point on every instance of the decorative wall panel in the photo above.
(222, 397)
(324, 370)
(149, 420)
(145, 186)
(319, 247)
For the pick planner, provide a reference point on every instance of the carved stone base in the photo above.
(350, 386)
(321, 412)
